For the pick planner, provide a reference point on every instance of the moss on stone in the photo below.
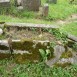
(62, 65)
(67, 54)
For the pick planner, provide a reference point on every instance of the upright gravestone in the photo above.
(4, 3)
(32, 5)
(52, 1)
(45, 10)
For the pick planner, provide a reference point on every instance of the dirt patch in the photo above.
(72, 18)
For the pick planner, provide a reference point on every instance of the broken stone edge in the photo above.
(29, 25)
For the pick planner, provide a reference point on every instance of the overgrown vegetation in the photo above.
(62, 36)
(75, 46)
(45, 54)
(61, 10)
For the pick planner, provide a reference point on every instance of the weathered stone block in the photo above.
(32, 5)
(4, 3)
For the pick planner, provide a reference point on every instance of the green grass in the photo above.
(11, 69)
(70, 28)
(4, 18)
(61, 10)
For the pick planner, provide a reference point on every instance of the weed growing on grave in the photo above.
(44, 54)
(75, 46)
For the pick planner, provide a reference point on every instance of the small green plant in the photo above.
(44, 54)
(59, 35)
(75, 46)
(56, 33)
(52, 44)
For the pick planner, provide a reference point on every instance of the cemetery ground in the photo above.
(61, 14)
(61, 11)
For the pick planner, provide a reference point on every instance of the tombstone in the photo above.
(32, 5)
(45, 10)
(52, 1)
(4, 3)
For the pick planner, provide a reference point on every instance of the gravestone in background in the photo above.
(5, 3)
(52, 1)
(32, 5)
(45, 10)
